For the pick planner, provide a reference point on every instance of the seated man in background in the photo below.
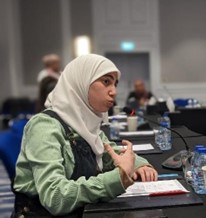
(139, 96)
(51, 64)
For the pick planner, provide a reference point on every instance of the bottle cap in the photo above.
(202, 150)
(190, 100)
(166, 114)
(198, 146)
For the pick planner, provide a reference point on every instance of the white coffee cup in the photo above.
(132, 123)
(204, 174)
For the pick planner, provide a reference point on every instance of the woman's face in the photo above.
(102, 92)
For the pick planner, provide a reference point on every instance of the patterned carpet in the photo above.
(6, 195)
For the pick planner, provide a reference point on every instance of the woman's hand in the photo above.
(146, 173)
(125, 160)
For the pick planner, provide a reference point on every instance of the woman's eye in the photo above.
(106, 81)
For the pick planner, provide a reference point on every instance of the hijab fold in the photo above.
(70, 98)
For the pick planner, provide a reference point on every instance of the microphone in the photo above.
(131, 112)
(173, 162)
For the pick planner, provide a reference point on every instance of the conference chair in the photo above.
(10, 143)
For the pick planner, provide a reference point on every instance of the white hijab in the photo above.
(70, 98)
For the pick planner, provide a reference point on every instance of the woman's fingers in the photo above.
(125, 159)
(155, 175)
(128, 144)
(110, 151)
(134, 176)
(147, 173)
(142, 175)
(122, 151)
(152, 174)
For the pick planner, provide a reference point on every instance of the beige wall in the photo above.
(81, 19)
(5, 52)
(30, 29)
(40, 34)
(181, 35)
(183, 41)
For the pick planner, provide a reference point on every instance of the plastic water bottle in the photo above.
(114, 129)
(196, 103)
(140, 116)
(166, 135)
(195, 153)
(193, 164)
(199, 183)
(195, 170)
(164, 138)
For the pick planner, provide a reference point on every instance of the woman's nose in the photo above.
(113, 91)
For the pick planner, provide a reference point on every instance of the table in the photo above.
(196, 211)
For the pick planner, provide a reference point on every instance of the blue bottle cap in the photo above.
(165, 114)
(198, 146)
(202, 150)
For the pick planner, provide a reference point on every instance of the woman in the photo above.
(65, 160)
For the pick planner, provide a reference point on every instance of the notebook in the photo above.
(129, 203)
(156, 188)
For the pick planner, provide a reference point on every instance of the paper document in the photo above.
(165, 187)
(123, 123)
(118, 116)
(137, 133)
(141, 147)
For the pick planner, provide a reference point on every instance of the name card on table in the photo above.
(137, 133)
(142, 147)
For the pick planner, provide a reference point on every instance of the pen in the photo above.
(174, 192)
(168, 175)
(167, 193)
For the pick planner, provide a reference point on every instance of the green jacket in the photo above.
(46, 163)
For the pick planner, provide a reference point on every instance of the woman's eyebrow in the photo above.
(110, 76)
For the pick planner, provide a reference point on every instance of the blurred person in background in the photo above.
(45, 87)
(51, 64)
(139, 97)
